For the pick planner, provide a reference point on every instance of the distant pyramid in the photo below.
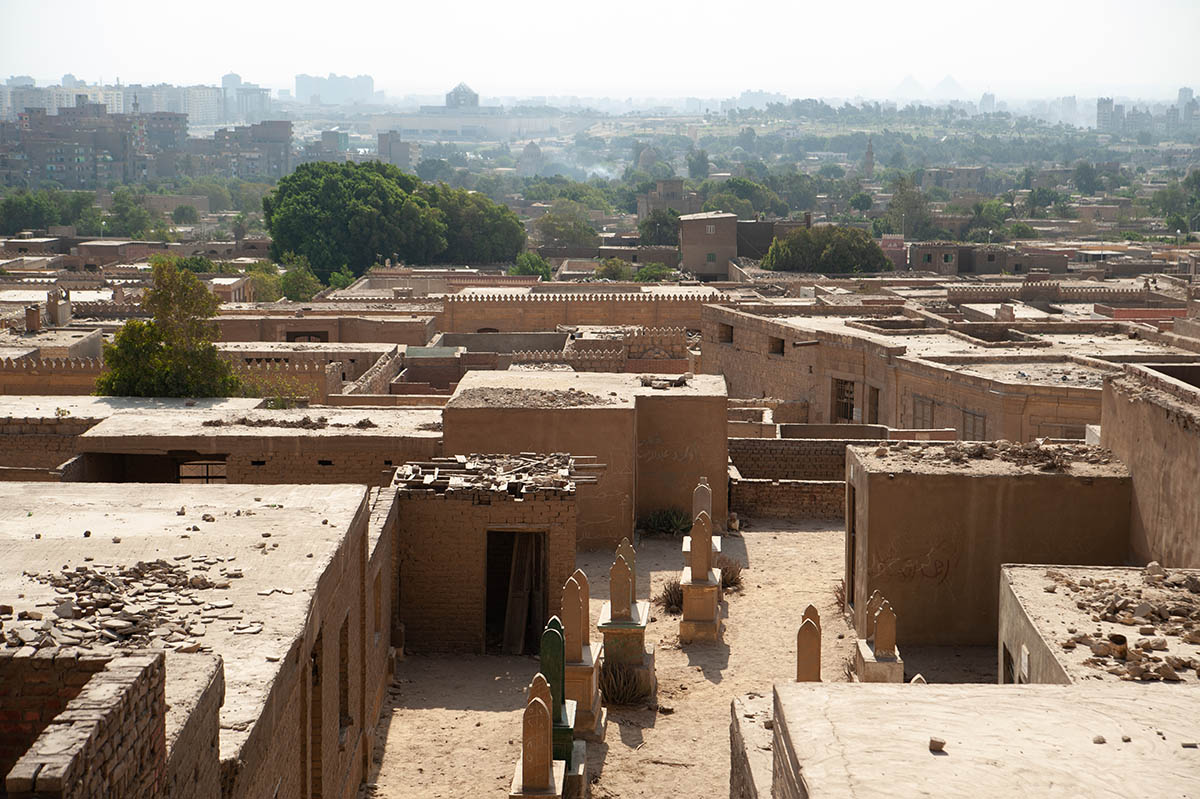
(909, 88)
(949, 89)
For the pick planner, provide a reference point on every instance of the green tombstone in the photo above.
(553, 667)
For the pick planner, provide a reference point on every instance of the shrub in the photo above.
(620, 685)
(731, 572)
(670, 598)
(669, 521)
(839, 592)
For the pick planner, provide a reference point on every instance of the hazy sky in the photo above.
(618, 48)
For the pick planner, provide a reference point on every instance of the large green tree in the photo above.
(298, 282)
(335, 214)
(697, 165)
(566, 225)
(358, 214)
(530, 263)
(173, 354)
(660, 227)
(478, 231)
(826, 249)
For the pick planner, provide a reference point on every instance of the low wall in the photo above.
(376, 379)
(49, 376)
(110, 740)
(40, 442)
(317, 381)
(788, 499)
(791, 458)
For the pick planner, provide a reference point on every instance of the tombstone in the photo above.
(810, 612)
(585, 599)
(625, 550)
(918, 680)
(537, 761)
(552, 667)
(702, 498)
(620, 590)
(808, 652)
(885, 631)
(877, 659)
(701, 547)
(539, 689)
(869, 619)
(574, 622)
(583, 661)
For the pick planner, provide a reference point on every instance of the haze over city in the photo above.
(1022, 49)
(606, 400)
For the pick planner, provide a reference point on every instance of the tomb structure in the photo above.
(538, 773)
(878, 660)
(700, 580)
(623, 623)
(583, 659)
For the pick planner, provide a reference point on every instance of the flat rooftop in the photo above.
(285, 347)
(555, 389)
(130, 431)
(88, 407)
(865, 740)
(1088, 604)
(1066, 374)
(989, 458)
(272, 535)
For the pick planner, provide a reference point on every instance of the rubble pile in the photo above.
(1038, 453)
(529, 398)
(1162, 613)
(515, 474)
(156, 604)
(305, 423)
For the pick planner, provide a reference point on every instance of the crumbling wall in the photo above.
(537, 312)
(35, 686)
(110, 740)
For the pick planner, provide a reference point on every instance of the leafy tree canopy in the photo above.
(654, 273)
(173, 354)
(298, 282)
(342, 278)
(826, 249)
(358, 214)
(614, 269)
(660, 227)
(185, 215)
(566, 225)
(530, 263)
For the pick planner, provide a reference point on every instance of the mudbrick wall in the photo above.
(442, 556)
(790, 458)
(34, 688)
(40, 442)
(110, 740)
(788, 499)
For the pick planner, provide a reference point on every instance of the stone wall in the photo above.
(377, 379)
(195, 692)
(788, 499)
(109, 741)
(442, 555)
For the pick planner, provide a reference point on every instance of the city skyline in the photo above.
(871, 61)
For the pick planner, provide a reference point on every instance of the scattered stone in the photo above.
(1099, 739)
(208, 517)
(936, 744)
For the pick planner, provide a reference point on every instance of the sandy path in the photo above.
(452, 727)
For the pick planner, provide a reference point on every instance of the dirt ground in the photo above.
(452, 725)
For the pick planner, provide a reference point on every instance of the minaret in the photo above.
(869, 160)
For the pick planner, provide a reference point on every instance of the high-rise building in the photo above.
(1104, 114)
(987, 103)
(230, 83)
(335, 89)
(1185, 97)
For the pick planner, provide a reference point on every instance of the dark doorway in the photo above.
(516, 592)
(872, 405)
